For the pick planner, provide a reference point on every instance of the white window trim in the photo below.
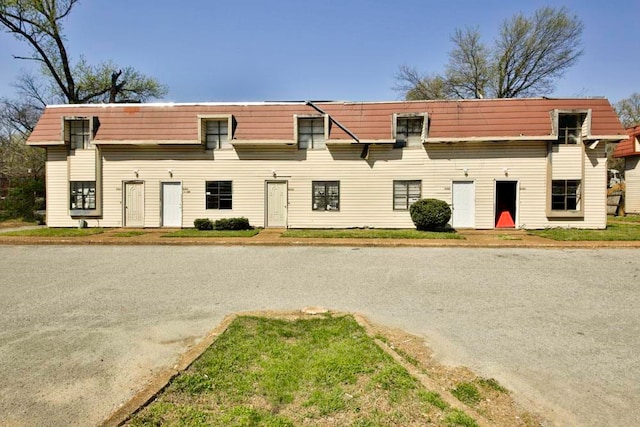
(425, 122)
(311, 116)
(202, 128)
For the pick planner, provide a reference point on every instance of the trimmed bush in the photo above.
(430, 214)
(232, 224)
(203, 224)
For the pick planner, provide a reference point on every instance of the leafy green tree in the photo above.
(529, 55)
(628, 110)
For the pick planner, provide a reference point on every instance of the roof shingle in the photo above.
(367, 120)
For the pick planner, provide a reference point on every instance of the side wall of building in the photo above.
(366, 186)
(632, 182)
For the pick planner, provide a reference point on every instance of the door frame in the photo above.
(162, 183)
(516, 202)
(124, 201)
(266, 201)
(466, 181)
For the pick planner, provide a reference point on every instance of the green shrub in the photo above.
(232, 224)
(22, 200)
(430, 214)
(203, 224)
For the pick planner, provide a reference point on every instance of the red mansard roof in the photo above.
(628, 148)
(369, 121)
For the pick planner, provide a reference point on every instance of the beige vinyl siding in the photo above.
(566, 161)
(594, 193)
(82, 165)
(485, 164)
(632, 182)
(366, 186)
(57, 188)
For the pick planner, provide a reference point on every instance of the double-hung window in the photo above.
(311, 132)
(83, 195)
(216, 134)
(78, 133)
(570, 128)
(410, 129)
(219, 195)
(405, 193)
(326, 195)
(565, 194)
(216, 131)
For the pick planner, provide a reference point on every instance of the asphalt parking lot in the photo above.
(82, 328)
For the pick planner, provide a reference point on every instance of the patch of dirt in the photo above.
(13, 223)
(497, 407)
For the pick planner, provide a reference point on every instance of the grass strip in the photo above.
(614, 232)
(192, 232)
(56, 232)
(376, 233)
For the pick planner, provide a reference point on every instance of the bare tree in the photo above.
(469, 72)
(532, 53)
(415, 86)
(527, 58)
(628, 110)
(39, 23)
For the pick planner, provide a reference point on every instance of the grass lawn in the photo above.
(370, 233)
(622, 230)
(56, 232)
(192, 232)
(319, 371)
(628, 218)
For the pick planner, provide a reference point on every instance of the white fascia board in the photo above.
(174, 104)
(45, 143)
(607, 137)
(263, 142)
(147, 142)
(491, 139)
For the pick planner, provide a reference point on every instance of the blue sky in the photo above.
(251, 50)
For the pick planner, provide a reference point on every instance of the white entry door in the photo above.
(464, 204)
(276, 204)
(171, 204)
(134, 204)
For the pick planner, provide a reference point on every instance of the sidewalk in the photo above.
(504, 238)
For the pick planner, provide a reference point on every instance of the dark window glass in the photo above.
(219, 195)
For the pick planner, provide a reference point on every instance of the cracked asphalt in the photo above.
(82, 328)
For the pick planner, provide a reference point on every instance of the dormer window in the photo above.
(410, 130)
(571, 126)
(311, 132)
(77, 132)
(216, 132)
